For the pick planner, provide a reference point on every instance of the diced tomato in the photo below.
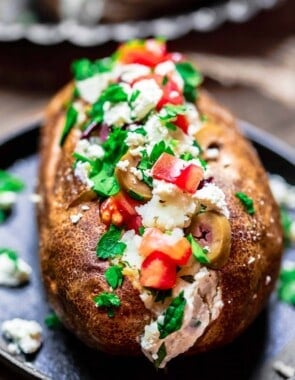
(190, 178)
(171, 94)
(153, 239)
(149, 52)
(120, 210)
(158, 271)
(179, 172)
(182, 122)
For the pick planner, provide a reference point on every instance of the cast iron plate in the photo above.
(62, 356)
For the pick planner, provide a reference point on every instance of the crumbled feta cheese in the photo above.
(123, 165)
(283, 369)
(35, 198)
(13, 272)
(26, 334)
(90, 149)
(75, 218)
(7, 199)
(267, 280)
(131, 255)
(193, 119)
(118, 114)
(90, 89)
(85, 208)
(174, 211)
(155, 132)
(148, 98)
(82, 171)
(134, 139)
(213, 198)
(128, 73)
(168, 67)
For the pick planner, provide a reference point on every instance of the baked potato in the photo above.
(158, 230)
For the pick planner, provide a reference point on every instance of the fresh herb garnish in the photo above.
(114, 93)
(157, 150)
(84, 68)
(114, 276)
(246, 201)
(134, 96)
(105, 183)
(115, 146)
(203, 163)
(141, 230)
(12, 255)
(161, 354)
(186, 156)
(192, 79)
(71, 119)
(107, 300)
(52, 321)
(109, 245)
(165, 80)
(9, 182)
(286, 222)
(171, 111)
(286, 287)
(199, 253)
(173, 316)
(140, 131)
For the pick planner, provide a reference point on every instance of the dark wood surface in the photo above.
(30, 74)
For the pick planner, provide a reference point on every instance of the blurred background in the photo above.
(245, 48)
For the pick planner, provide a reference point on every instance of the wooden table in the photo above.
(30, 74)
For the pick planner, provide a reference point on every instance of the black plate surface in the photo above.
(63, 357)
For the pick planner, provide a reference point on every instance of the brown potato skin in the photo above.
(72, 273)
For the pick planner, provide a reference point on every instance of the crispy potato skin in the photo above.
(72, 274)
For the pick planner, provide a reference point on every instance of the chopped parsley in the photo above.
(109, 301)
(84, 68)
(71, 119)
(114, 93)
(192, 79)
(9, 182)
(246, 201)
(161, 354)
(173, 316)
(199, 253)
(52, 321)
(141, 230)
(134, 95)
(286, 222)
(11, 255)
(286, 287)
(105, 183)
(114, 276)
(109, 245)
(171, 111)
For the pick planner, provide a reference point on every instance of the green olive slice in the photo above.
(213, 231)
(82, 197)
(209, 136)
(129, 182)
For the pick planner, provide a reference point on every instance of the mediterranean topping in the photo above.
(246, 201)
(24, 336)
(13, 270)
(10, 186)
(166, 220)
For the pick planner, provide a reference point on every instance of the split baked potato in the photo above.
(158, 230)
